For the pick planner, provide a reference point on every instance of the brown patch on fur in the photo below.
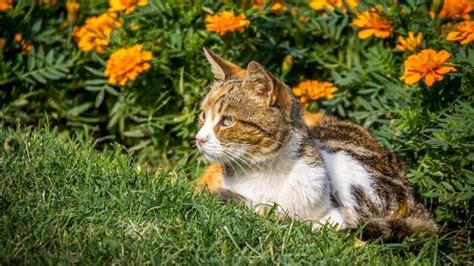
(396, 229)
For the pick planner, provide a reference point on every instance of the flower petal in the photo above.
(412, 78)
(430, 79)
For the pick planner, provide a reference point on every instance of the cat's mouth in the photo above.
(211, 154)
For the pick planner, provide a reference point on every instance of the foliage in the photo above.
(89, 207)
(45, 77)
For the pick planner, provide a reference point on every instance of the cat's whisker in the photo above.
(230, 163)
(235, 158)
(249, 163)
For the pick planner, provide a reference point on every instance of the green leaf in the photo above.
(32, 59)
(40, 57)
(95, 71)
(38, 77)
(49, 57)
(76, 111)
(99, 98)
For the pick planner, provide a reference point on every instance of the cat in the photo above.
(265, 150)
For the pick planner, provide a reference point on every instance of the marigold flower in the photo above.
(464, 32)
(410, 43)
(372, 23)
(328, 4)
(72, 6)
(276, 6)
(95, 34)
(311, 90)
(126, 5)
(18, 37)
(429, 65)
(126, 63)
(6, 5)
(226, 21)
(456, 9)
(26, 47)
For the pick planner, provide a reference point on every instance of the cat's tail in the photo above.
(396, 229)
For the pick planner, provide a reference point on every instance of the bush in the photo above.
(46, 77)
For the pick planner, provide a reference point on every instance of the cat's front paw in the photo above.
(227, 196)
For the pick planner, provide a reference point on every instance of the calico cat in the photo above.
(264, 151)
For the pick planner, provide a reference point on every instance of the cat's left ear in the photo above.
(261, 83)
(222, 68)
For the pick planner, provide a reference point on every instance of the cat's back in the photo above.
(337, 136)
(367, 179)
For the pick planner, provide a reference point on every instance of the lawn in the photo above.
(62, 201)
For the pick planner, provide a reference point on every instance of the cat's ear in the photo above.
(222, 68)
(261, 82)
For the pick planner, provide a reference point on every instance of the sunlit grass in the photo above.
(63, 202)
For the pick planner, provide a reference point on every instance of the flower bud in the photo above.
(287, 64)
(437, 6)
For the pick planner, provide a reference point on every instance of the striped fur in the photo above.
(314, 167)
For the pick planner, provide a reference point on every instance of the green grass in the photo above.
(63, 202)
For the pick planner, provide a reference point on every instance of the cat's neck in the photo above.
(282, 161)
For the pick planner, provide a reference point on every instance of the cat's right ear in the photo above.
(222, 68)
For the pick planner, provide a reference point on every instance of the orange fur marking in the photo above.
(402, 211)
(312, 119)
(212, 179)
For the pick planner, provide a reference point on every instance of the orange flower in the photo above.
(371, 23)
(277, 6)
(464, 32)
(456, 9)
(18, 37)
(126, 63)
(328, 4)
(314, 90)
(6, 5)
(225, 22)
(303, 19)
(429, 65)
(26, 47)
(95, 34)
(410, 43)
(72, 7)
(126, 5)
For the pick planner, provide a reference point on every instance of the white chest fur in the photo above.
(299, 189)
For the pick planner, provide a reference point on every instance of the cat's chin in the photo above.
(211, 158)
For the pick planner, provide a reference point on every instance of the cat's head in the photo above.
(247, 115)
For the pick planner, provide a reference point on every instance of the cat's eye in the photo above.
(227, 121)
(202, 116)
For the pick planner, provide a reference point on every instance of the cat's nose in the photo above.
(200, 140)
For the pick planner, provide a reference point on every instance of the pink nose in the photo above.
(200, 140)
